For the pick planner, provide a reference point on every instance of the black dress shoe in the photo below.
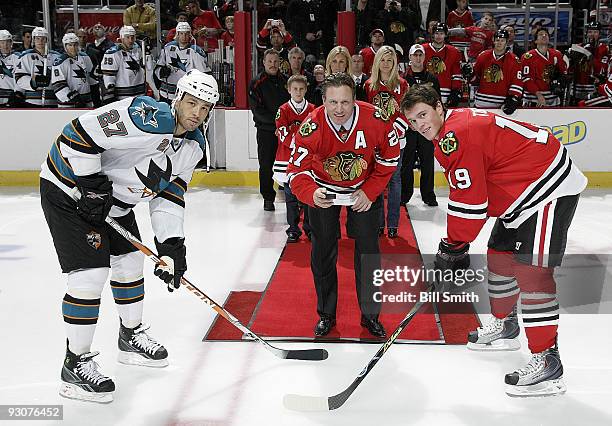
(293, 237)
(324, 326)
(392, 232)
(269, 206)
(374, 327)
(431, 203)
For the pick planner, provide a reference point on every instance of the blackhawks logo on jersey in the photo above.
(493, 74)
(381, 114)
(94, 240)
(307, 128)
(345, 166)
(549, 73)
(449, 143)
(386, 102)
(436, 65)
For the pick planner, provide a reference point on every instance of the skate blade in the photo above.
(70, 391)
(546, 388)
(496, 346)
(132, 358)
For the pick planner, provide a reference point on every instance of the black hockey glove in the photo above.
(164, 72)
(173, 253)
(454, 98)
(452, 256)
(96, 198)
(466, 70)
(41, 81)
(510, 105)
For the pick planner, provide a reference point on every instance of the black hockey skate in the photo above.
(542, 376)
(82, 380)
(497, 335)
(136, 347)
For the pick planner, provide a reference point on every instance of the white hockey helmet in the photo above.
(69, 38)
(5, 35)
(200, 85)
(183, 27)
(127, 30)
(40, 32)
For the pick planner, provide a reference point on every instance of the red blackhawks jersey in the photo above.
(367, 53)
(597, 65)
(539, 70)
(498, 167)
(389, 101)
(444, 63)
(365, 160)
(457, 19)
(496, 77)
(288, 120)
(480, 39)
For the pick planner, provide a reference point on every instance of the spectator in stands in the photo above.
(228, 35)
(481, 36)
(366, 12)
(296, 62)
(377, 39)
(416, 144)
(339, 60)
(26, 39)
(460, 18)
(267, 93)
(359, 77)
(546, 74)
(226, 8)
(305, 21)
(141, 17)
(180, 17)
(206, 26)
(398, 23)
(82, 35)
(274, 35)
(513, 47)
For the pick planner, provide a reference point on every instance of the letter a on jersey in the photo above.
(360, 141)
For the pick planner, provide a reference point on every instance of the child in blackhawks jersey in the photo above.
(288, 119)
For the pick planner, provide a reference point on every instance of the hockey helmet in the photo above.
(183, 27)
(198, 84)
(440, 27)
(501, 34)
(69, 38)
(40, 32)
(5, 35)
(127, 30)
(593, 25)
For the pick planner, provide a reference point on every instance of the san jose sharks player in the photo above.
(178, 57)
(122, 71)
(8, 60)
(33, 71)
(72, 75)
(131, 151)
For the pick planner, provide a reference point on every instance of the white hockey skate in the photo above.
(496, 335)
(542, 376)
(136, 347)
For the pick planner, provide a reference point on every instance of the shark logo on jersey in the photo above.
(133, 65)
(94, 239)
(79, 72)
(156, 179)
(147, 114)
(176, 62)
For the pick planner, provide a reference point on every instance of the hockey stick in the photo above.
(45, 68)
(323, 403)
(301, 354)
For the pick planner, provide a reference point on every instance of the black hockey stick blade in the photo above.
(305, 354)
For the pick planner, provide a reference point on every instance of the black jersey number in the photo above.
(112, 118)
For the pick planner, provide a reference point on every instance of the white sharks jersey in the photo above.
(7, 76)
(179, 61)
(130, 141)
(72, 79)
(122, 73)
(30, 64)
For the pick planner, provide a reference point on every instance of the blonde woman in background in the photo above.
(385, 89)
(339, 60)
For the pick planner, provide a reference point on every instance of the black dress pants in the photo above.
(418, 145)
(266, 152)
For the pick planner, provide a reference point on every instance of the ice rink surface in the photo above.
(232, 244)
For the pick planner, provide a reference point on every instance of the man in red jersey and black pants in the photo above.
(345, 153)
(522, 175)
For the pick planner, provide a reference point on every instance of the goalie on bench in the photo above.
(522, 175)
(104, 163)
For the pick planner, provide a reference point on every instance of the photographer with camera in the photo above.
(398, 23)
(264, 37)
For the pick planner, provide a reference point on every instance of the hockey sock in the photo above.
(502, 285)
(539, 306)
(81, 306)
(127, 283)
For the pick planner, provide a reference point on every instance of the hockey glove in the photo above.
(510, 105)
(454, 98)
(96, 198)
(452, 256)
(164, 72)
(173, 253)
(466, 70)
(41, 81)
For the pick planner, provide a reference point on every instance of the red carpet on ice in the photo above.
(286, 310)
